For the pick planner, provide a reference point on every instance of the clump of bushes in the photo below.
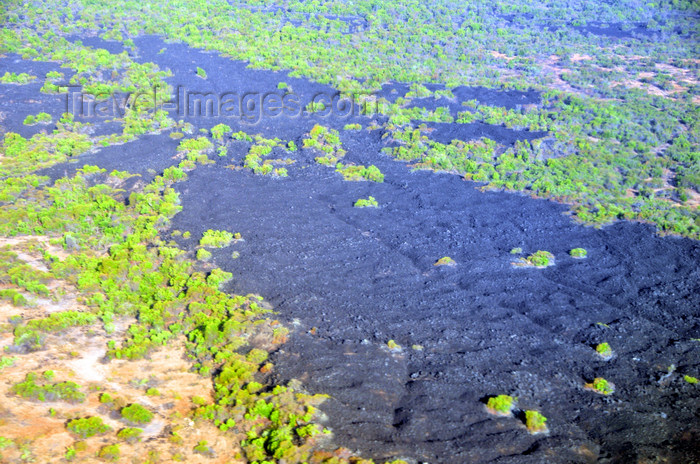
(216, 238)
(359, 172)
(328, 142)
(538, 259)
(37, 388)
(12, 78)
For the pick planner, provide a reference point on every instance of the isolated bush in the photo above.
(88, 426)
(137, 414)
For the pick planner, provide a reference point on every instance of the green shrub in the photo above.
(540, 258)
(578, 253)
(13, 296)
(535, 422)
(370, 202)
(216, 238)
(35, 388)
(130, 434)
(88, 426)
(137, 414)
(109, 453)
(357, 173)
(7, 362)
(203, 255)
(201, 73)
(501, 405)
(12, 78)
(600, 385)
(219, 131)
(203, 448)
(604, 350)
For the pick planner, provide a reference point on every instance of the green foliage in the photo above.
(535, 422)
(13, 296)
(87, 427)
(358, 173)
(199, 144)
(30, 336)
(392, 345)
(130, 435)
(12, 78)
(219, 131)
(604, 350)
(216, 238)
(326, 141)
(690, 379)
(370, 202)
(600, 385)
(261, 149)
(42, 118)
(539, 259)
(5, 442)
(137, 414)
(203, 448)
(203, 255)
(445, 261)
(201, 73)
(6, 361)
(501, 405)
(36, 388)
(578, 253)
(109, 453)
